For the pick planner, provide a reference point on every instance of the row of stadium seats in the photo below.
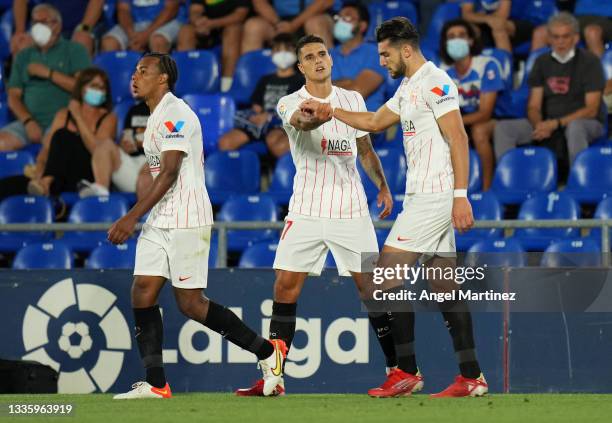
(486, 206)
(573, 252)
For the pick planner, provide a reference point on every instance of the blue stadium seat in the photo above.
(520, 95)
(444, 12)
(603, 211)
(213, 252)
(606, 60)
(554, 205)
(231, 172)
(485, 206)
(119, 65)
(258, 255)
(198, 72)
(248, 208)
(475, 177)
(522, 172)
(394, 164)
(590, 178)
(121, 110)
(44, 255)
(24, 209)
(13, 162)
(504, 106)
(496, 253)
(250, 68)
(398, 206)
(93, 210)
(4, 113)
(109, 256)
(216, 114)
(572, 253)
(281, 187)
(381, 11)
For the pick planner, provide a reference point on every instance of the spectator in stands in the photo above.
(125, 164)
(595, 17)
(284, 16)
(42, 77)
(79, 17)
(356, 65)
(211, 23)
(75, 133)
(564, 111)
(261, 120)
(479, 81)
(154, 24)
(498, 28)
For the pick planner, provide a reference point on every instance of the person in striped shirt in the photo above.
(328, 209)
(175, 240)
(436, 147)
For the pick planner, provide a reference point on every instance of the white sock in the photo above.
(226, 83)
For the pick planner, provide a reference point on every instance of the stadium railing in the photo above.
(223, 227)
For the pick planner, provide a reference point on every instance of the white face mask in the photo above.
(284, 59)
(41, 34)
(564, 59)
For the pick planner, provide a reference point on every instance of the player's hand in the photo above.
(322, 112)
(33, 131)
(122, 229)
(38, 70)
(462, 216)
(384, 198)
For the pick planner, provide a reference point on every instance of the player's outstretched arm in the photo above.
(452, 128)
(303, 120)
(371, 164)
(376, 121)
(170, 165)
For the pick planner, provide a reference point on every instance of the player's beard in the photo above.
(400, 72)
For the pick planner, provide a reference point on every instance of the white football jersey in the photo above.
(419, 101)
(174, 126)
(326, 183)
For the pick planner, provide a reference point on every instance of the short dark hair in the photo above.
(362, 11)
(284, 39)
(307, 39)
(398, 30)
(475, 48)
(85, 77)
(167, 65)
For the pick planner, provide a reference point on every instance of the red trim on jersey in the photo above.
(342, 105)
(195, 197)
(332, 197)
(322, 185)
(304, 186)
(427, 171)
(358, 193)
(314, 185)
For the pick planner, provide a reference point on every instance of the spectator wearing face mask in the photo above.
(42, 77)
(261, 121)
(356, 66)
(478, 79)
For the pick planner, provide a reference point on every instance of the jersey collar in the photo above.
(420, 71)
(166, 98)
(304, 93)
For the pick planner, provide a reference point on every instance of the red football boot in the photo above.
(257, 390)
(398, 384)
(465, 387)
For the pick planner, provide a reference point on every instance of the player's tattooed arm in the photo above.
(304, 120)
(170, 167)
(371, 164)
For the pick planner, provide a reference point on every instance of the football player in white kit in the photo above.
(436, 149)
(328, 209)
(175, 240)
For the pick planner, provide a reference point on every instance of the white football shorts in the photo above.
(305, 241)
(180, 255)
(424, 225)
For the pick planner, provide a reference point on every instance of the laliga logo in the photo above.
(67, 352)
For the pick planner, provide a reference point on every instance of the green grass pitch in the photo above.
(225, 407)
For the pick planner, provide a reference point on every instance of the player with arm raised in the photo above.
(328, 209)
(436, 148)
(175, 240)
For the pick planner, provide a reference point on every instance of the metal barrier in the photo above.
(223, 227)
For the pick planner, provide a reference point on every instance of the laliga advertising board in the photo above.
(80, 323)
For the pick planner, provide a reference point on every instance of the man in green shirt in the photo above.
(42, 77)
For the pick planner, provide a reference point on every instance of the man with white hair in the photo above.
(42, 78)
(565, 89)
